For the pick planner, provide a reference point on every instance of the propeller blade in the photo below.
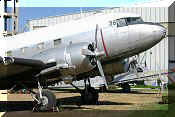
(96, 31)
(101, 72)
(98, 54)
(87, 52)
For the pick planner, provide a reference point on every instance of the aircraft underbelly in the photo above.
(113, 68)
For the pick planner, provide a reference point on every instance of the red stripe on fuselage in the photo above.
(104, 46)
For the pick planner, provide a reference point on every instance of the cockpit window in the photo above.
(126, 21)
(121, 22)
(134, 20)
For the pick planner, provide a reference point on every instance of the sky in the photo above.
(76, 3)
(45, 8)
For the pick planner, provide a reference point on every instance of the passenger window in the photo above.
(8, 53)
(57, 42)
(23, 49)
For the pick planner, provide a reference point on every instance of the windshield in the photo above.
(134, 20)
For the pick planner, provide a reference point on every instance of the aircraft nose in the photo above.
(159, 31)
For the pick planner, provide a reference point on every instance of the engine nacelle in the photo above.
(73, 57)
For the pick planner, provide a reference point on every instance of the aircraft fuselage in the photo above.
(118, 35)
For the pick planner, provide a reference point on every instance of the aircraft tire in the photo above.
(48, 102)
(126, 88)
(103, 89)
(90, 96)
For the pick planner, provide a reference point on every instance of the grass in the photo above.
(157, 107)
(155, 110)
(145, 86)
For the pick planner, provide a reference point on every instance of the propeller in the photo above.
(95, 54)
(98, 54)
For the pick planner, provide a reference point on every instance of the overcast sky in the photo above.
(76, 3)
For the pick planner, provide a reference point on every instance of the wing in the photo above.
(10, 66)
(15, 70)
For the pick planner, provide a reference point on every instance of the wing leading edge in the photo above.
(10, 66)
(19, 70)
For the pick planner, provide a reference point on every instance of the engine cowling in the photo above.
(75, 59)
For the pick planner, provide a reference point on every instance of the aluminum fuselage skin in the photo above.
(120, 42)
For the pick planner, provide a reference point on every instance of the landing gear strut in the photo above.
(89, 95)
(44, 100)
(126, 88)
(103, 88)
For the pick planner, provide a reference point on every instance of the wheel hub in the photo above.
(45, 100)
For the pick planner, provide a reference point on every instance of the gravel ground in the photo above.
(20, 104)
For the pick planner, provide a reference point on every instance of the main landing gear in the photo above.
(44, 100)
(126, 88)
(89, 95)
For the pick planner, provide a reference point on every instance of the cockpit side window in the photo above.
(121, 22)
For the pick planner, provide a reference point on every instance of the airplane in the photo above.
(79, 49)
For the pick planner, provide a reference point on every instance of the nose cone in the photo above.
(151, 34)
(159, 32)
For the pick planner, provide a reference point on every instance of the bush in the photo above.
(171, 86)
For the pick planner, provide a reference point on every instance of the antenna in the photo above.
(81, 12)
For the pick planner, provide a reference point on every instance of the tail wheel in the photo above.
(89, 96)
(48, 101)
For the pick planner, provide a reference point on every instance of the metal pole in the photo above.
(2, 10)
(17, 12)
(13, 17)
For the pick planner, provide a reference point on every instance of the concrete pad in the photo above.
(3, 97)
(1, 114)
(3, 91)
